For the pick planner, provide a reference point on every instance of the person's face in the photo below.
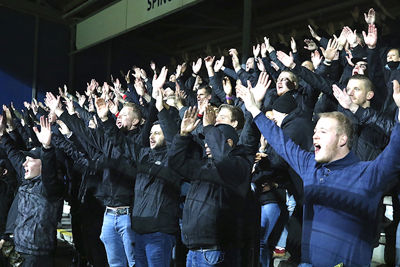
(202, 95)
(156, 137)
(52, 117)
(172, 78)
(278, 117)
(168, 92)
(282, 83)
(127, 119)
(360, 68)
(326, 140)
(358, 93)
(308, 64)
(33, 167)
(224, 116)
(250, 63)
(393, 55)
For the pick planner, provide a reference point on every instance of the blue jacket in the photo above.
(341, 198)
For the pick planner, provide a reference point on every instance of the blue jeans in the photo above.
(269, 215)
(154, 250)
(118, 239)
(213, 258)
(291, 204)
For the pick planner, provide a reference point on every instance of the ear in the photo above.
(230, 142)
(343, 140)
(370, 95)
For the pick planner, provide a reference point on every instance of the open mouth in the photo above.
(317, 148)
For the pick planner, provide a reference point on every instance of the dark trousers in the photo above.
(37, 260)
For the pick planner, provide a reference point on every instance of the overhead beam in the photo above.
(31, 8)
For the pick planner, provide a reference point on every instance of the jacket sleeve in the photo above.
(216, 142)
(386, 167)
(250, 135)
(94, 138)
(53, 186)
(216, 85)
(314, 80)
(231, 73)
(371, 116)
(298, 159)
(16, 157)
(168, 125)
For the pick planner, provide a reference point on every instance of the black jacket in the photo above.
(212, 214)
(117, 187)
(39, 205)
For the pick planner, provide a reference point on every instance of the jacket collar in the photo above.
(349, 159)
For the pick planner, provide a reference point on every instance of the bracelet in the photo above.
(199, 115)
(194, 74)
(228, 97)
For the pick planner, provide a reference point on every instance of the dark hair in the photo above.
(237, 114)
(205, 86)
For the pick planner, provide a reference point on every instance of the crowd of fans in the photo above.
(277, 155)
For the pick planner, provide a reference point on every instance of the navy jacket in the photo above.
(341, 198)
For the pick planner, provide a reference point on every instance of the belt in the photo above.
(118, 211)
(207, 248)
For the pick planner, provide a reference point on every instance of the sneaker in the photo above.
(279, 253)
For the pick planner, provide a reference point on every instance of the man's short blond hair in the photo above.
(344, 125)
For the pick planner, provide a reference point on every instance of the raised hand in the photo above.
(256, 50)
(2, 125)
(139, 86)
(209, 61)
(331, 49)
(247, 97)
(63, 128)
(70, 106)
(235, 59)
(158, 82)
(351, 36)
(226, 84)
(314, 34)
(268, 46)
(153, 66)
(260, 65)
(286, 59)
(370, 17)
(189, 121)
(219, 64)
(372, 37)
(261, 87)
(113, 106)
(180, 69)
(180, 96)
(159, 99)
(293, 45)
(342, 97)
(209, 116)
(44, 135)
(396, 93)
(341, 40)
(316, 58)
(9, 120)
(102, 108)
(196, 66)
(52, 102)
(310, 45)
